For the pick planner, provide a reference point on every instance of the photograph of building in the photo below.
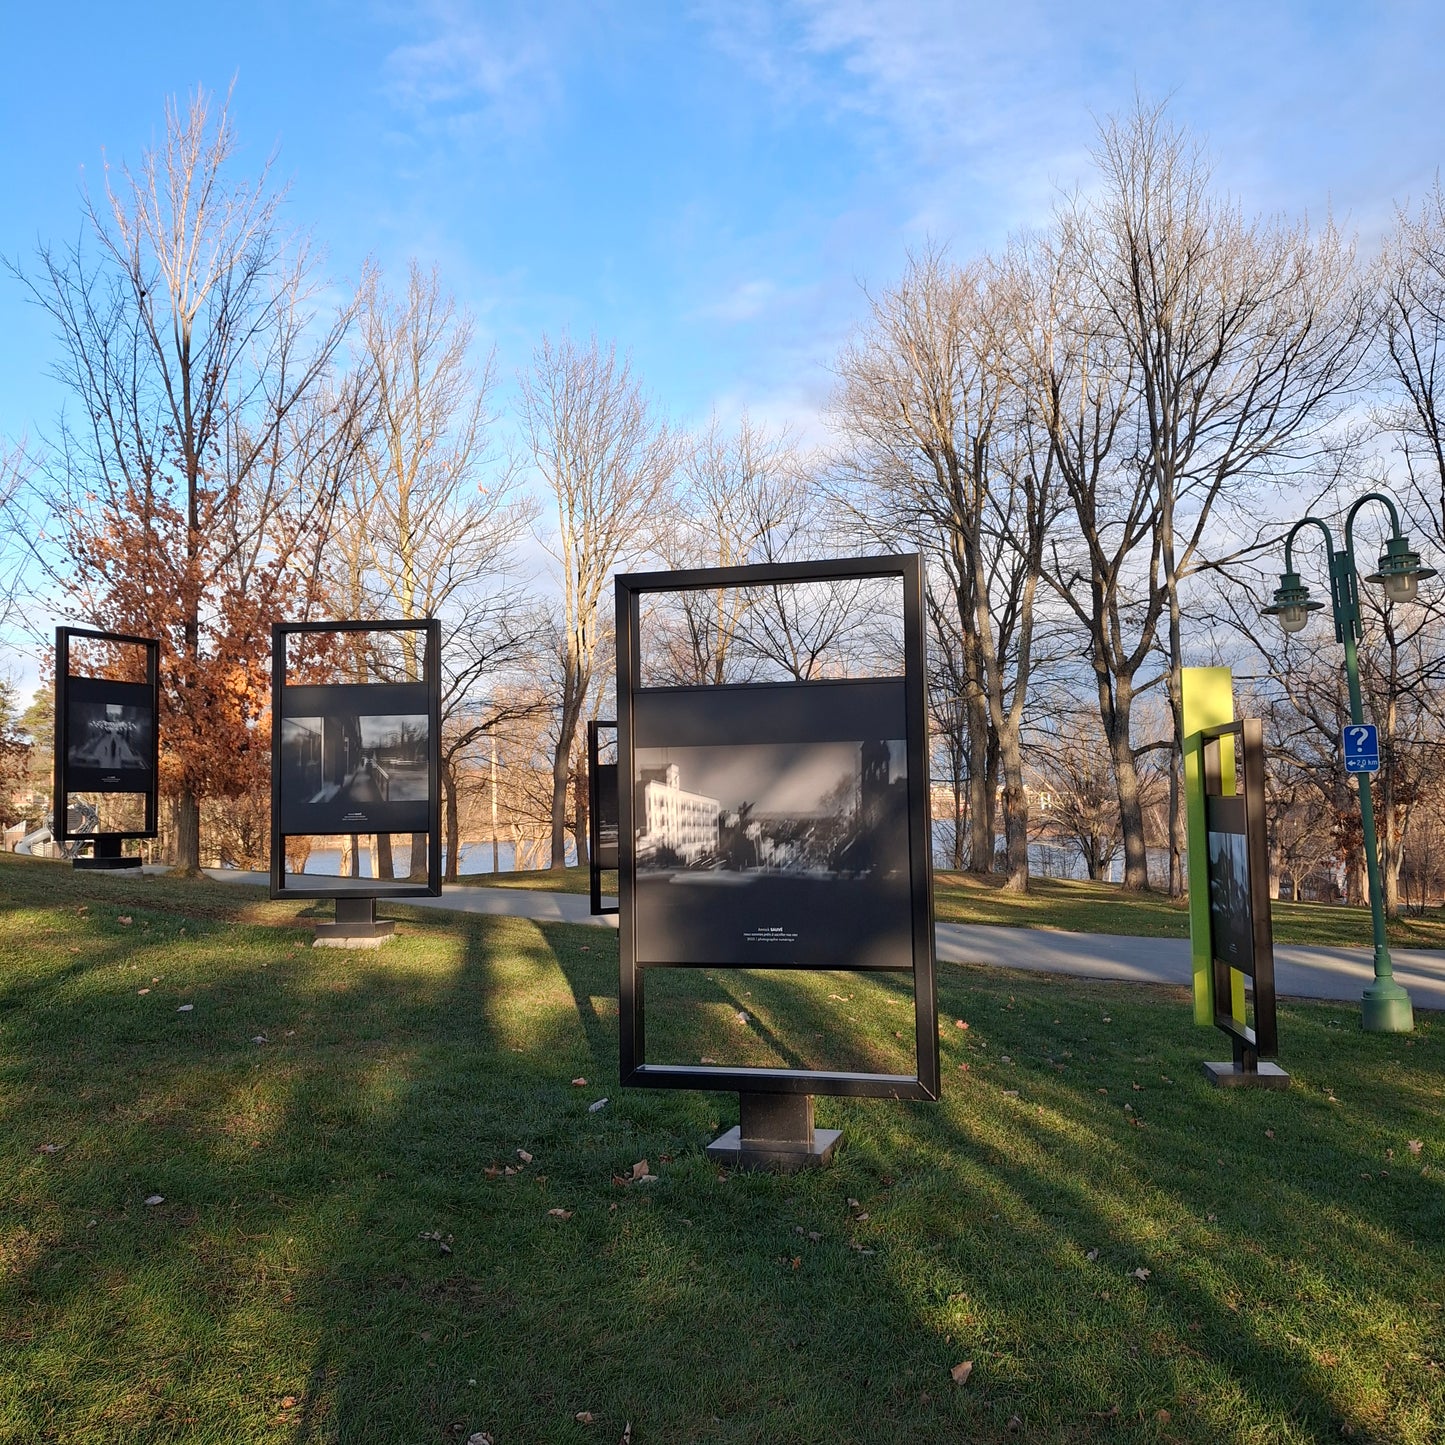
(791, 854)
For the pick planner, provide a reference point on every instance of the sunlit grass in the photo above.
(1293, 1243)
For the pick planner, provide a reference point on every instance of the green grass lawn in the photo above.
(350, 1246)
(1080, 908)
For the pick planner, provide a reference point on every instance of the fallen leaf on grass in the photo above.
(1010, 1093)
(600, 1104)
(1162, 1417)
(1269, 1133)
(142, 990)
(853, 1204)
(1416, 1145)
(959, 1024)
(525, 1157)
(706, 1060)
(480, 1438)
(289, 1402)
(260, 1039)
(155, 1199)
(185, 1008)
(561, 1213)
(1141, 1274)
(124, 918)
(491, 1171)
(1092, 1256)
(583, 1417)
(1014, 1423)
(961, 1372)
(51, 1148)
(626, 1437)
(640, 1170)
(579, 1083)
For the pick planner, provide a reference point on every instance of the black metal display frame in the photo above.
(779, 1119)
(1242, 813)
(355, 906)
(108, 844)
(597, 789)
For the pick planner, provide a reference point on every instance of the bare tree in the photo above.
(1244, 338)
(608, 462)
(433, 516)
(15, 470)
(1411, 289)
(188, 342)
(923, 398)
(744, 496)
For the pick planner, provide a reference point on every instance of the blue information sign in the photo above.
(1361, 745)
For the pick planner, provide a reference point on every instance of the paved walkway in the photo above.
(1301, 971)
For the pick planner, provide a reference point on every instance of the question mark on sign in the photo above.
(1359, 734)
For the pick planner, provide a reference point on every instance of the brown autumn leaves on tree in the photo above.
(191, 489)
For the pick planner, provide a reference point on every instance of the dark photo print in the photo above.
(781, 854)
(109, 744)
(1230, 918)
(355, 772)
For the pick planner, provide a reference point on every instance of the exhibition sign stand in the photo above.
(1241, 941)
(106, 751)
(601, 816)
(356, 759)
(771, 826)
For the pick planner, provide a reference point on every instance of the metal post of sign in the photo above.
(686, 902)
(1386, 1006)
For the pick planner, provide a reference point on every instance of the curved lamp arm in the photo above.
(1360, 502)
(1306, 522)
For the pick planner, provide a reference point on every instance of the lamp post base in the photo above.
(1386, 1009)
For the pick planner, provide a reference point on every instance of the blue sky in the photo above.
(710, 184)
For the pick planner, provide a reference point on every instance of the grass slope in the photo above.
(1078, 907)
(291, 1286)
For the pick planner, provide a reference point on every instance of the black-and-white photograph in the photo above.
(774, 854)
(355, 772)
(1230, 917)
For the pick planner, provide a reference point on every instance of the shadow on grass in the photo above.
(305, 1178)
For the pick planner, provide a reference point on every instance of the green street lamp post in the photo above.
(1386, 1007)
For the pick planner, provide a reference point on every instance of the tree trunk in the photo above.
(385, 867)
(579, 817)
(417, 871)
(1115, 707)
(451, 823)
(1176, 827)
(188, 832)
(1015, 816)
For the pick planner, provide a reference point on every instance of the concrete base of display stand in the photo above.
(1229, 1075)
(356, 926)
(776, 1133)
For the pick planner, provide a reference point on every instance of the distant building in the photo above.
(674, 821)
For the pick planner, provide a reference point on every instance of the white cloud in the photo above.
(494, 68)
